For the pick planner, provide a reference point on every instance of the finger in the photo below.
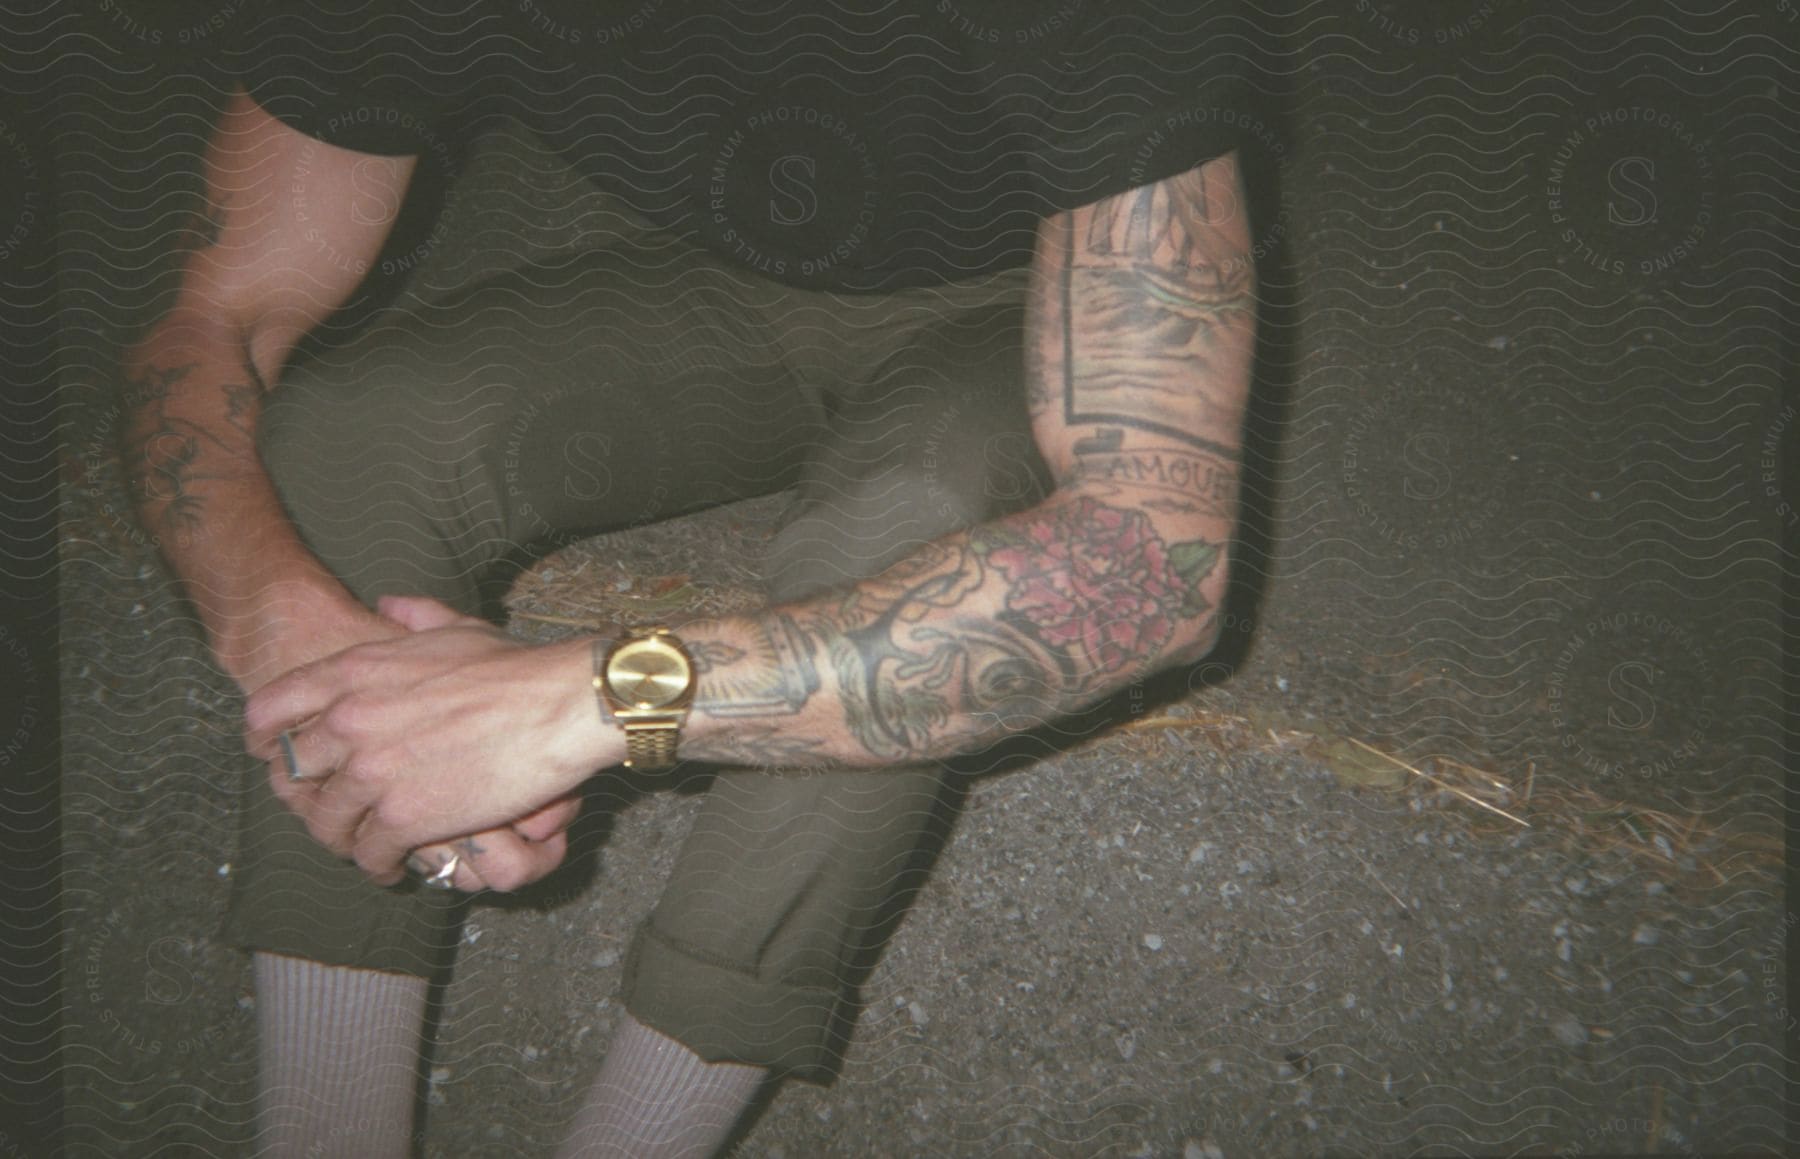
(442, 866)
(552, 819)
(436, 866)
(380, 850)
(497, 859)
(336, 810)
(305, 799)
(289, 701)
(421, 613)
(309, 752)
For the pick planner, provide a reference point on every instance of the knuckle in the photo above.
(396, 811)
(356, 714)
(358, 767)
(344, 718)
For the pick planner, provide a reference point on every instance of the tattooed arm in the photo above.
(1139, 356)
(278, 251)
(1139, 350)
(291, 224)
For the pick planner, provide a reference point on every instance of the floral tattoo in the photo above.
(1097, 582)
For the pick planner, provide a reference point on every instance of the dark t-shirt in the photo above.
(852, 146)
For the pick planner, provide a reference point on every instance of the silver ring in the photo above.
(446, 871)
(287, 753)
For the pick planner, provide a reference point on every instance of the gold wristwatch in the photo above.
(646, 680)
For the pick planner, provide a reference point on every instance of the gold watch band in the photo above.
(650, 744)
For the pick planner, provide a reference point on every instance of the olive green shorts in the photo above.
(625, 384)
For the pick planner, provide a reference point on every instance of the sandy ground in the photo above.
(1508, 507)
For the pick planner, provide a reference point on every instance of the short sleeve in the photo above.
(1143, 91)
(370, 75)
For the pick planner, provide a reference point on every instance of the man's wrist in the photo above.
(599, 739)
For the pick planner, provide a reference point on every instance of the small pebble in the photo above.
(917, 1013)
(604, 959)
(1569, 1032)
(1153, 942)
(1201, 1148)
(1646, 935)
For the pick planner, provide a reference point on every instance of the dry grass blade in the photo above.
(1467, 796)
(1213, 722)
(1381, 883)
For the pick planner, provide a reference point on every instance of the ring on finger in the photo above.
(287, 754)
(446, 871)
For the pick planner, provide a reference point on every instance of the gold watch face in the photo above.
(649, 673)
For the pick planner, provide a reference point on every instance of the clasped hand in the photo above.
(446, 731)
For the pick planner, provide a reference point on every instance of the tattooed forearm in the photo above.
(773, 675)
(984, 633)
(243, 402)
(169, 457)
(1136, 372)
(761, 745)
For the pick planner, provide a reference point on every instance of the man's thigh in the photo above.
(535, 407)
